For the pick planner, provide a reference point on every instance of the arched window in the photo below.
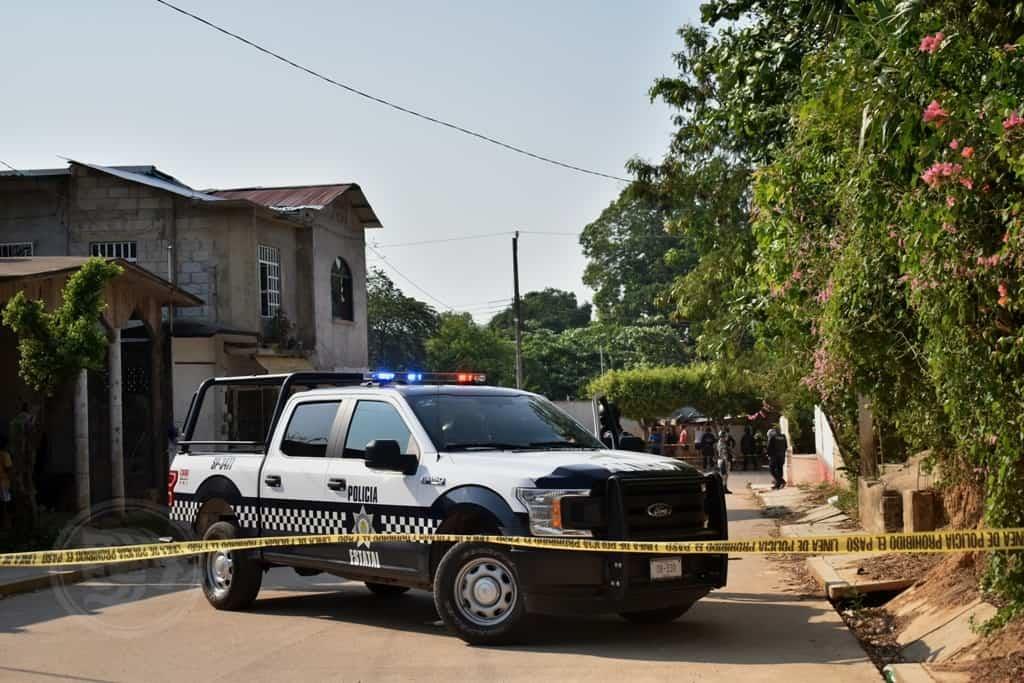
(341, 291)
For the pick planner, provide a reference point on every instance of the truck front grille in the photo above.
(637, 508)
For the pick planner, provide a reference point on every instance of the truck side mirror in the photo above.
(386, 454)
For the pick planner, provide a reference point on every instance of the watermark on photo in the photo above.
(171, 581)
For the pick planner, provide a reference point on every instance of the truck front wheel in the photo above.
(478, 594)
(231, 578)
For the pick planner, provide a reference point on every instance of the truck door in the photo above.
(383, 501)
(293, 495)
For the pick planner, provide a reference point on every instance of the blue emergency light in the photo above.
(388, 376)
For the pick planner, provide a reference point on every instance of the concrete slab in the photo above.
(820, 514)
(838, 577)
(914, 672)
(943, 641)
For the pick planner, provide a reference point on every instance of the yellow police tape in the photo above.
(920, 542)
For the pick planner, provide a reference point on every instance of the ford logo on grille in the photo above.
(659, 510)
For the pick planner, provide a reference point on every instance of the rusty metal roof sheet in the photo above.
(298, 196)
(295, 197)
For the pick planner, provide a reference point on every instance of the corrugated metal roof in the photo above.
(153, 181)
(294, 197)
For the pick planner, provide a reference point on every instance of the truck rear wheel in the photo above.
(478, 594)
(661, 615)
(231, 578)
(386, 590)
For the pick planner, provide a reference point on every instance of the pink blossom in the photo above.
(967, 152)
(986, 188)
(954, 144)
(892, 234)
(931, 44)
(939, 171)
(949, 227)
(1012, 121)
(992, 440)
(935, 113)
(950, 201)
(1004, 293)
(797, 274)
(825, 294)
(1006, 237)
(967, 182)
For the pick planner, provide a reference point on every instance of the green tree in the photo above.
(632, 259)
(54, 346)
(549, 309)
(647, 394)
(461, 344)
(399, 325)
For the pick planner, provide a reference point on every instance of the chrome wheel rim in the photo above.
(485, 591)
(219, 572)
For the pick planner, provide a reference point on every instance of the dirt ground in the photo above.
(898, 566)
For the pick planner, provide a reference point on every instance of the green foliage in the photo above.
(399, 325)
(461, 344)
(549, 309)
(632, 259)
(884, 165)
(54, 347)
(561, 365)
(651, 393)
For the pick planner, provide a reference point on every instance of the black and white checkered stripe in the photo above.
(403, 524)
(304, 521)
(184, 510)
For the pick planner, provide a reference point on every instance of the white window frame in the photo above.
(126, 250)
(17, 249)
(269, 257)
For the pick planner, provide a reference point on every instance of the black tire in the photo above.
(489, 609)
(662, 615)
(231, 580)
(386, 590)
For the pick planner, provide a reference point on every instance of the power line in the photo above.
(387, 103)
(547, 232)
(444, 239)
(405, 277)
(10, 167)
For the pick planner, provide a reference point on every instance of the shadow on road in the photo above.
(728, 628)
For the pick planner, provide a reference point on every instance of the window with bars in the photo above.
(127, 250)
(12, 249)
(270, 281)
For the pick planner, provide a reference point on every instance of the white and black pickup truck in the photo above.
(331, 453)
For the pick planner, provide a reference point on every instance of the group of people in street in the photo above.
(717, 448)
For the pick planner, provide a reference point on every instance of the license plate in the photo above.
(666, 568)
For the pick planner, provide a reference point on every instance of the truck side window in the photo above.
(376, 420)
(309, 429)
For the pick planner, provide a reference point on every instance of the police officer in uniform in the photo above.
(777, 447)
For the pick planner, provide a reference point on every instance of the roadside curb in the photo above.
(837, 588)
(915, 672)
(30, 584)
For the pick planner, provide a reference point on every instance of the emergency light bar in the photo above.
(387, 376)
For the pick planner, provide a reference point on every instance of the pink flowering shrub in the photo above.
(939, 172)
(932, 43)
(934, 113)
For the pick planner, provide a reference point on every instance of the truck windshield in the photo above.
(498, 422)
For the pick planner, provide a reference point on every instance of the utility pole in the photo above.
(519, 311)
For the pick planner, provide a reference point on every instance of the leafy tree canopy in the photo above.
(399, 325)
(461, 344)
(650, 393)
(54, 346)
(549, 309)
(632, 259)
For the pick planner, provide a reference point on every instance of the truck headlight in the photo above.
(545, 508)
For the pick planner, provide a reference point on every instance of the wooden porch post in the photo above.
(116, 424)
(82, 480)
(866, 437)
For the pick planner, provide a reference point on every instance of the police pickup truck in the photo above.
(334, 454)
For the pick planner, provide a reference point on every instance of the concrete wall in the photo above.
(34, 210)
(340, 344)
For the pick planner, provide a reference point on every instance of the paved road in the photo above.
(155, 626)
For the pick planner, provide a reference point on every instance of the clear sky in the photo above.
(131, 82)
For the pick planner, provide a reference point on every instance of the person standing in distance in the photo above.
(777, 448)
